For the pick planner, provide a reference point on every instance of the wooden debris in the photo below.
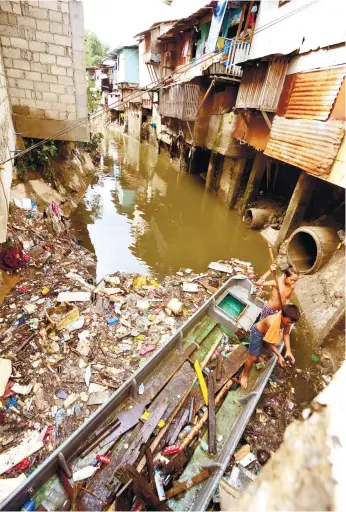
(179, 426)
(219, 367)
(150, 464)
(142, 489)
(106, 482)
(178, 462)
(183, 486)
(212, 416)
(204, 418)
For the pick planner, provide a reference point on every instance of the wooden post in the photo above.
(255, 178)
(212, 416)
(210, 171)
(247, 21)
(235, 180)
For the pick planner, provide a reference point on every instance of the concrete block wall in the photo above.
(43, 50)
(7, 142)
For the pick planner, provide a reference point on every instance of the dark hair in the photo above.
(291, 311)
(291, 271)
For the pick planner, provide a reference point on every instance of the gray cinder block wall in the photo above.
(43, 56)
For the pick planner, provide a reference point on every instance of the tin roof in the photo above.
(305, 143)
(314, 93)
(186, 23)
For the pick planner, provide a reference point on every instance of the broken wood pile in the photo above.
(146, 462)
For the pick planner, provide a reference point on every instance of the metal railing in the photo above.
(235, 51)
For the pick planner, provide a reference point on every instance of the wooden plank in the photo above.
(179, 426)
(183, 486)
(212, 416)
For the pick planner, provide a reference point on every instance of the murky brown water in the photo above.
(183, 224)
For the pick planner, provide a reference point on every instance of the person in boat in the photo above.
(286, 286)
(266, 333)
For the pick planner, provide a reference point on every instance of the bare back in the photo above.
(285, 292)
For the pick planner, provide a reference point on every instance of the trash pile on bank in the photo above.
(66, 344)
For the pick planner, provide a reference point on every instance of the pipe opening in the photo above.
(248, 217)
(303, 251)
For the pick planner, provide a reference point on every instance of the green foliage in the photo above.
(95, 50)
(93, 97)
(39, 160)
(95, 142)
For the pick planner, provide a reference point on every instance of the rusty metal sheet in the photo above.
(308, 144)
(314, 94)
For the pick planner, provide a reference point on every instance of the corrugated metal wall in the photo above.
(308, 144)
(261, 85)
(314, 94)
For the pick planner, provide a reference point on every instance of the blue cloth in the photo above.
(267, 311)
(256, 341)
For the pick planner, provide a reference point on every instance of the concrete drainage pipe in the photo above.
(309, 248)
(257, 217)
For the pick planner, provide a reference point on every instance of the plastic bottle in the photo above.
(29, 506)
(159, 486)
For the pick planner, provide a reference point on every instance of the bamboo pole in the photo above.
(275, 275)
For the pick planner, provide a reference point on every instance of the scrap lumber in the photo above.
(219, 367)
(159, 440)
(178, 462)
(199, 425)
(183, 486)
(212, 416)
(231, 365)
(150, 464)
(106, 482)
(143, 491)
(179, 426)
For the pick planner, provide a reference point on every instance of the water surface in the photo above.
(182, 225)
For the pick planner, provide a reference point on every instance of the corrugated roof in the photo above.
(314, 93)
(305, 143)
(185, 23)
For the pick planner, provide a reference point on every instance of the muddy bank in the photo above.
(72, 168)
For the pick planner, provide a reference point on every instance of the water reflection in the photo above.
(183, 224)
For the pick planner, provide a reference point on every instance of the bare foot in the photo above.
(262, 359)
(243, 380)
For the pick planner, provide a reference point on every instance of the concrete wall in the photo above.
(7, 141)
(43, 49)
(134, 118)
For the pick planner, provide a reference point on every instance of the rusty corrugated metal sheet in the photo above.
(261, 85)
(308, 144)
(314, 93)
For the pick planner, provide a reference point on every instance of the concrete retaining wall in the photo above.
(43, 50)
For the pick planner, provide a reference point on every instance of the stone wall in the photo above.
(7, 142)
(43, 49)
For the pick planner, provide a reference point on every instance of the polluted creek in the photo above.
(172, 241)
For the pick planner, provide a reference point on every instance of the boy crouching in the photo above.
(267, 333)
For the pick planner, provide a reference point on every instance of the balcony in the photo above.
(231, 52)
(180, 101)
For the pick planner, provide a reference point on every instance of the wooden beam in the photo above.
(247, 20)
(212, 416)
(183, 486)
(266, 118)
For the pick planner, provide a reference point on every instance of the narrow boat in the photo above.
(151, 412)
